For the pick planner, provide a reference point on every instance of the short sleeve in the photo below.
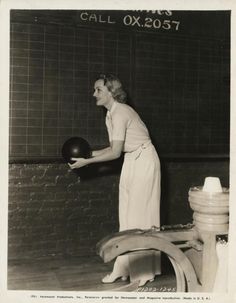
(119, 127)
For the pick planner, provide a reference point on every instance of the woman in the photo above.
(139, 188)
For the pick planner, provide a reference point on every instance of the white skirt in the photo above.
(139, 207)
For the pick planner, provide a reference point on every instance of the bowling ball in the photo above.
(75, 147)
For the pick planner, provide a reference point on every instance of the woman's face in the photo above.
(101, 93)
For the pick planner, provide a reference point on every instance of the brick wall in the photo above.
(54, 212)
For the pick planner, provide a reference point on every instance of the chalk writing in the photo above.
(147, 22)
(135, 19)
(96, 18)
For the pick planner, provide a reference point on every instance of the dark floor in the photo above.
(76, 274)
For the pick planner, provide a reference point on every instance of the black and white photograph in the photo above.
(117, 152)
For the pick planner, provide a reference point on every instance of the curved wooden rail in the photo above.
(179, 274)
(128, 243)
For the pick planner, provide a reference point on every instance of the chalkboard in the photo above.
(175, 67)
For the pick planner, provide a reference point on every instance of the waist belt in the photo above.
(140, 149)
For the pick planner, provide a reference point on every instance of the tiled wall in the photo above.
(178, 83)
(53, 69)
(182, 90)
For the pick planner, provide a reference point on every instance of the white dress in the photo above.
(139, 188)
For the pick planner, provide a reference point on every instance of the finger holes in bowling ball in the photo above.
(76, 147)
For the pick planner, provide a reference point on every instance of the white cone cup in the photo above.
(212, 185)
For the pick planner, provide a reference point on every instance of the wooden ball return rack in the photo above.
(191, 248)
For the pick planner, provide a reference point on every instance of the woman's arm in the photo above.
(111, 153)
(96, 153)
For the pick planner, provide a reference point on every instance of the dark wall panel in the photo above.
(182, 86)
(178, 81)
(53, 69)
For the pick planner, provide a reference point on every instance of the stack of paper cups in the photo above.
(210, 204)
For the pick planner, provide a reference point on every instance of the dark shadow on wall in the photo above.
(178, 176)
(96, 170)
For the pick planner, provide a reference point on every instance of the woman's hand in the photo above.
(107, 154)
(79, 162)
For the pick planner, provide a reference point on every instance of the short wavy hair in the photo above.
(114, 86)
